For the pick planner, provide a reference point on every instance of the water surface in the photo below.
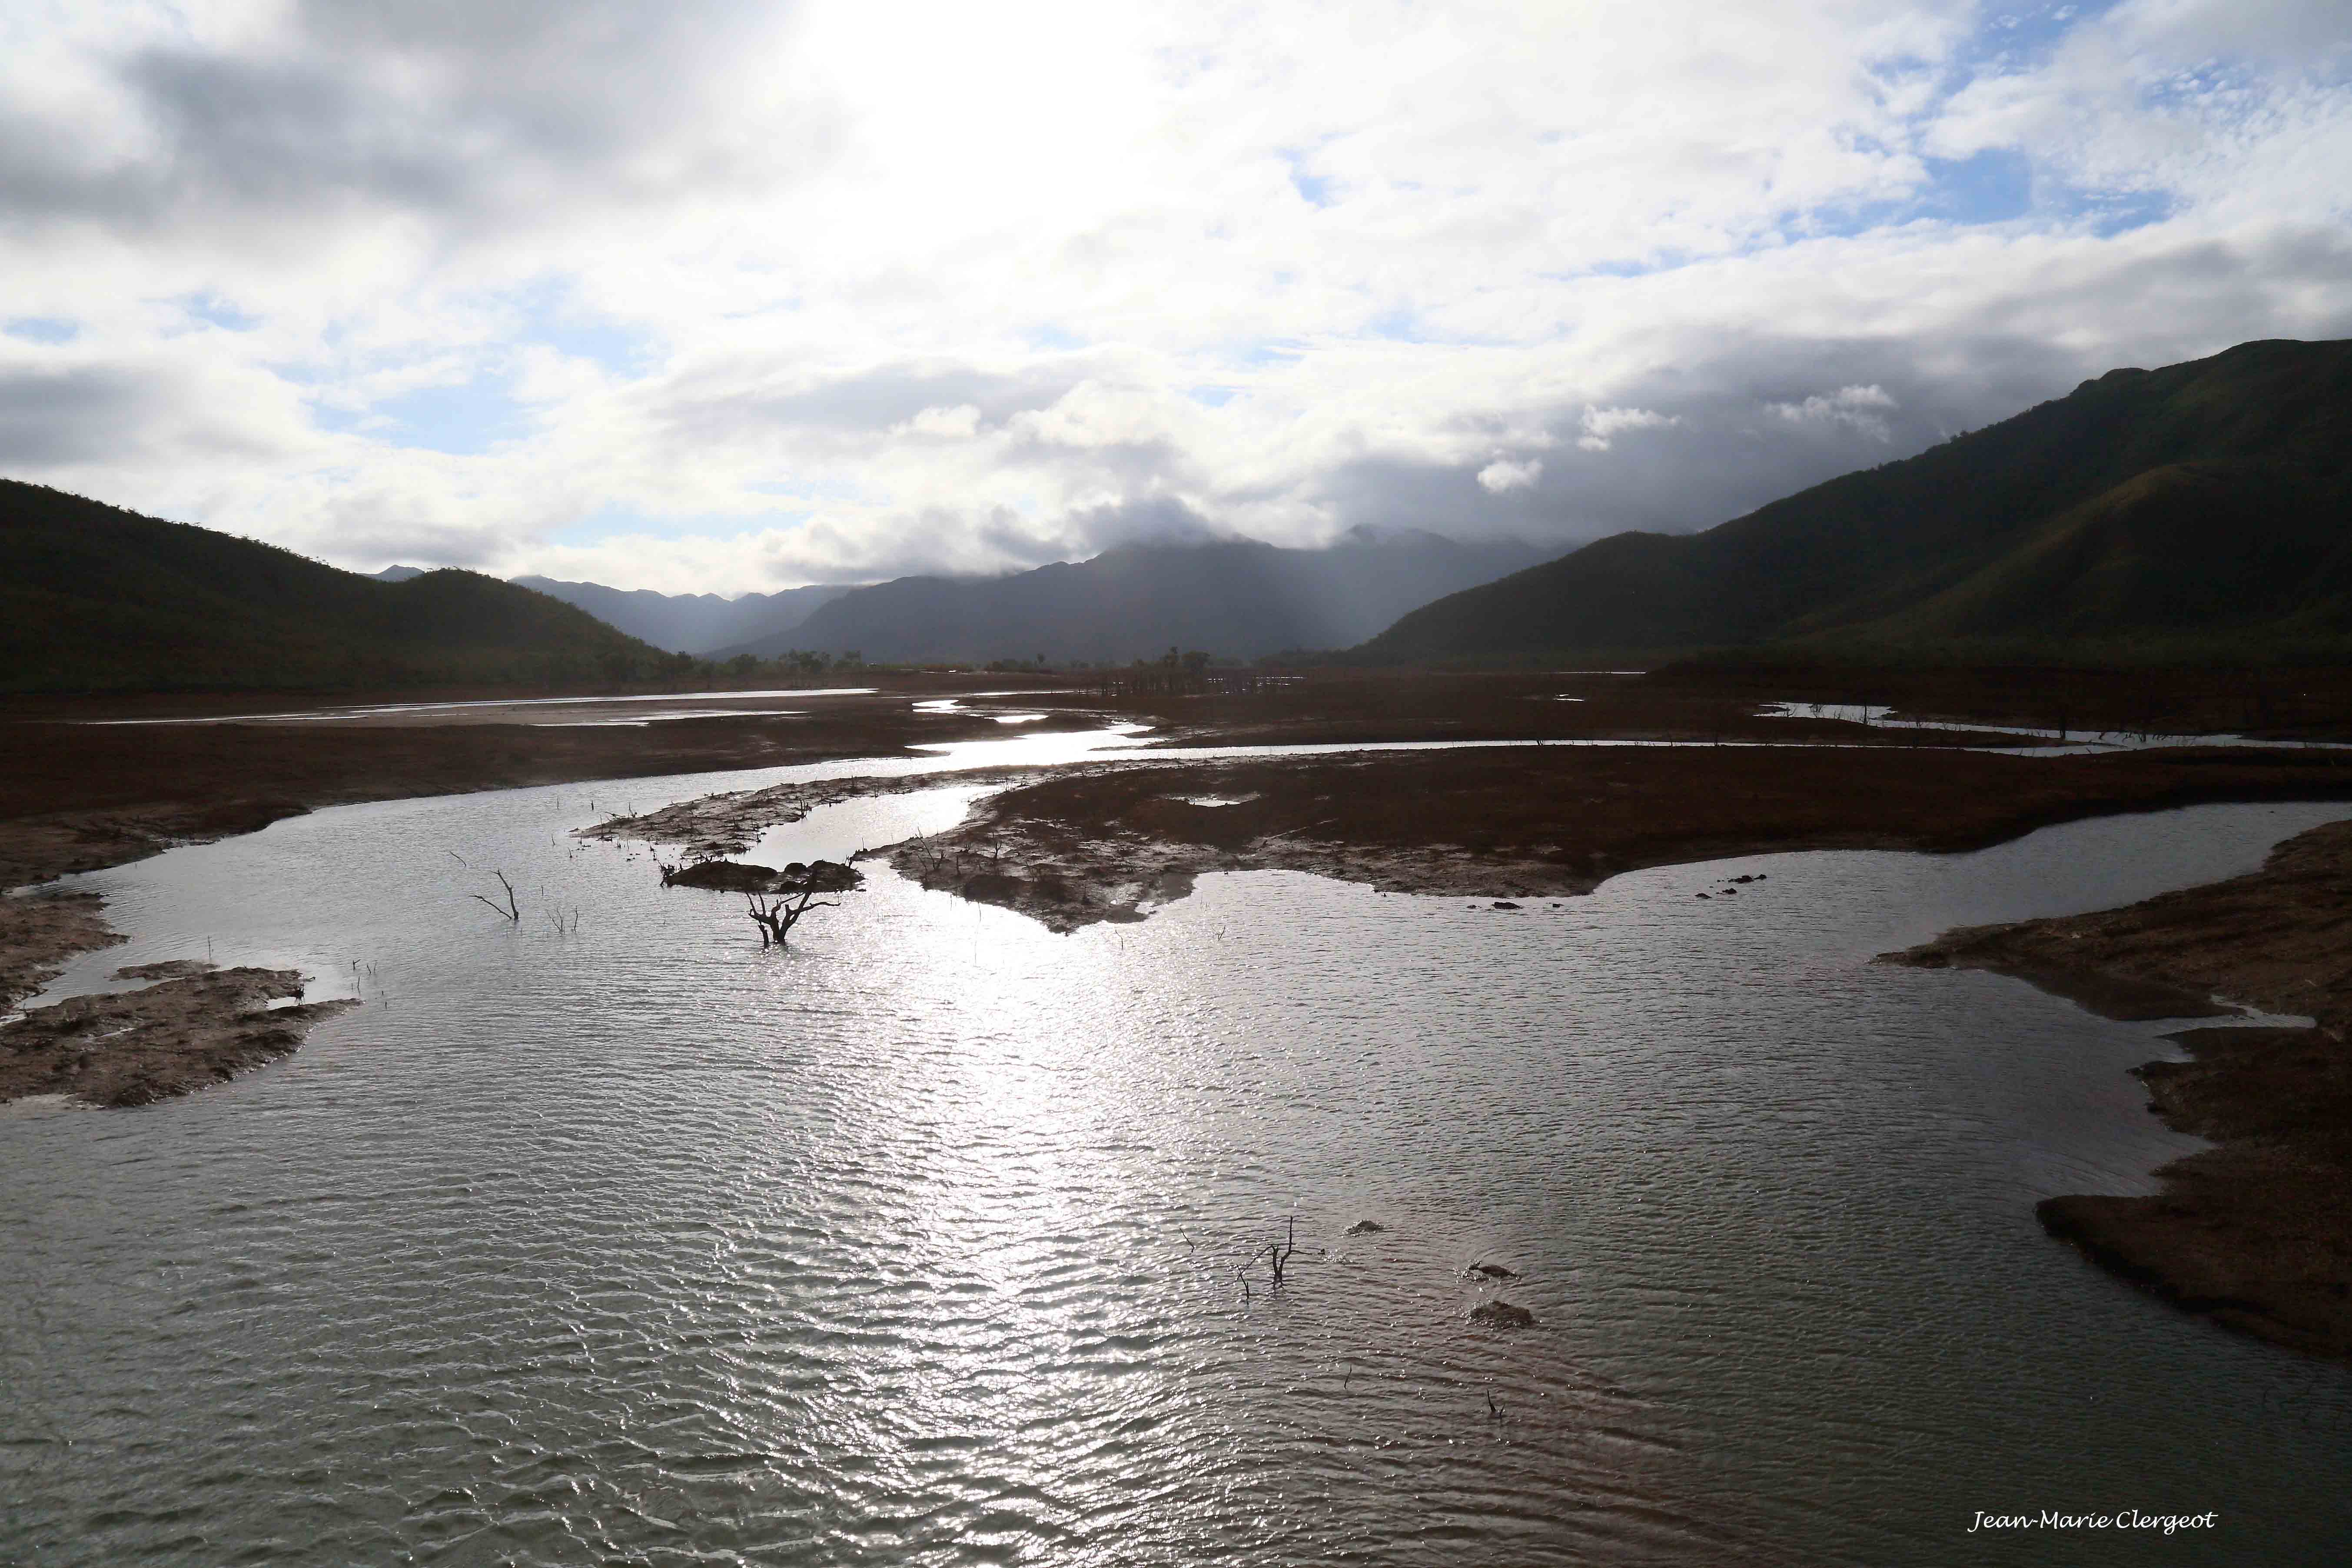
(922, 1241)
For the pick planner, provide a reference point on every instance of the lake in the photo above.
(927, 1241)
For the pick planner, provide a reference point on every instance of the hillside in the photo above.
(94, 598)
(1239, 598)
(689, 623)
(2201, 509)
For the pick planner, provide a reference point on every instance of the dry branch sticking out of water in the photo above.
(198, 1026)
(2256, 1232)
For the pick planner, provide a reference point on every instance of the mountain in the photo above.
(1239, 598)
(2203, 510)
(399, 573)
(94, 598)
(686, 623)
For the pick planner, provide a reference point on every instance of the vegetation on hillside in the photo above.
(93, 598)
(2192, 513)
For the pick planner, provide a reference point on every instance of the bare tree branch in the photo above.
(776, 914)
(510, 912)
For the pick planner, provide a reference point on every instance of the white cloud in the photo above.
(1856, 408)
(1500, 475)
(727, 293)
(959, 423)
(1603, 426)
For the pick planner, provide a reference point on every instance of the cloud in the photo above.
(1603, 426)
(958, 423)
(733, 293)
(49, 419)
(1856, 408)
(1500, 475)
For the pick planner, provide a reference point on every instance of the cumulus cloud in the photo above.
(1856, 408)
(733, 293)
(1501, 475)
(1603, 426)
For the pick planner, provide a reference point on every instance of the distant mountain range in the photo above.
(1237, 598)
(94, 598)
(681, 622)
(2199, 511)
(2202, 510)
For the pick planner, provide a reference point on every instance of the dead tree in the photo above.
(1277, 1255)
(511, 913)
(776, 913)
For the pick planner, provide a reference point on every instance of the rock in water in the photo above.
(828, 876)
(1366, 1227)
(726, 877)
(1503, 1315)
(742, 877)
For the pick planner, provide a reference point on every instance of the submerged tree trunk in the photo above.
(776, 914)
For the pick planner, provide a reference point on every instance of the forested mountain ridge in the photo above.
(93, 597)
(2203, 509)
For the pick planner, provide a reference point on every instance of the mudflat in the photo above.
(81, 789)
(39, 931)
(196, 1025)
(1109, 841)
(2256, 1232)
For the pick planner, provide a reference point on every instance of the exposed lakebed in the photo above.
(918, 1242)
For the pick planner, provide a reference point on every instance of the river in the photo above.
(925, 1241)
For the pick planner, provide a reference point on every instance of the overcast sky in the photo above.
(735, 294)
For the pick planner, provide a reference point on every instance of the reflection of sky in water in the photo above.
(639, 720)
(921, 1239)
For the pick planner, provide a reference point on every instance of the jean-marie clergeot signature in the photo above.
(2121, 1519)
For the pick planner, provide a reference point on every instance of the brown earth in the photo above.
(197, 1025)
(1352, 706)
(1109, 840)
(2256, 1232)
(1719, 701)
(38, 932)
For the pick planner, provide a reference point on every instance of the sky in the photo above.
(733, 295)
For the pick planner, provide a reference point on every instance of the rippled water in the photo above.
(920, 1243)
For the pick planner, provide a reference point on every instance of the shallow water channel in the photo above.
(920, 1243)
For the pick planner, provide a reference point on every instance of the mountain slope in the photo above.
(2206, 505)
(1239, 598)
(93, 597)
(689, 622)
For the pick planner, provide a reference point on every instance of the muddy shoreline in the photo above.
(2255, 1233)
(1111, 840)
(196, 1025)
(41, 932)
(81, 790)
